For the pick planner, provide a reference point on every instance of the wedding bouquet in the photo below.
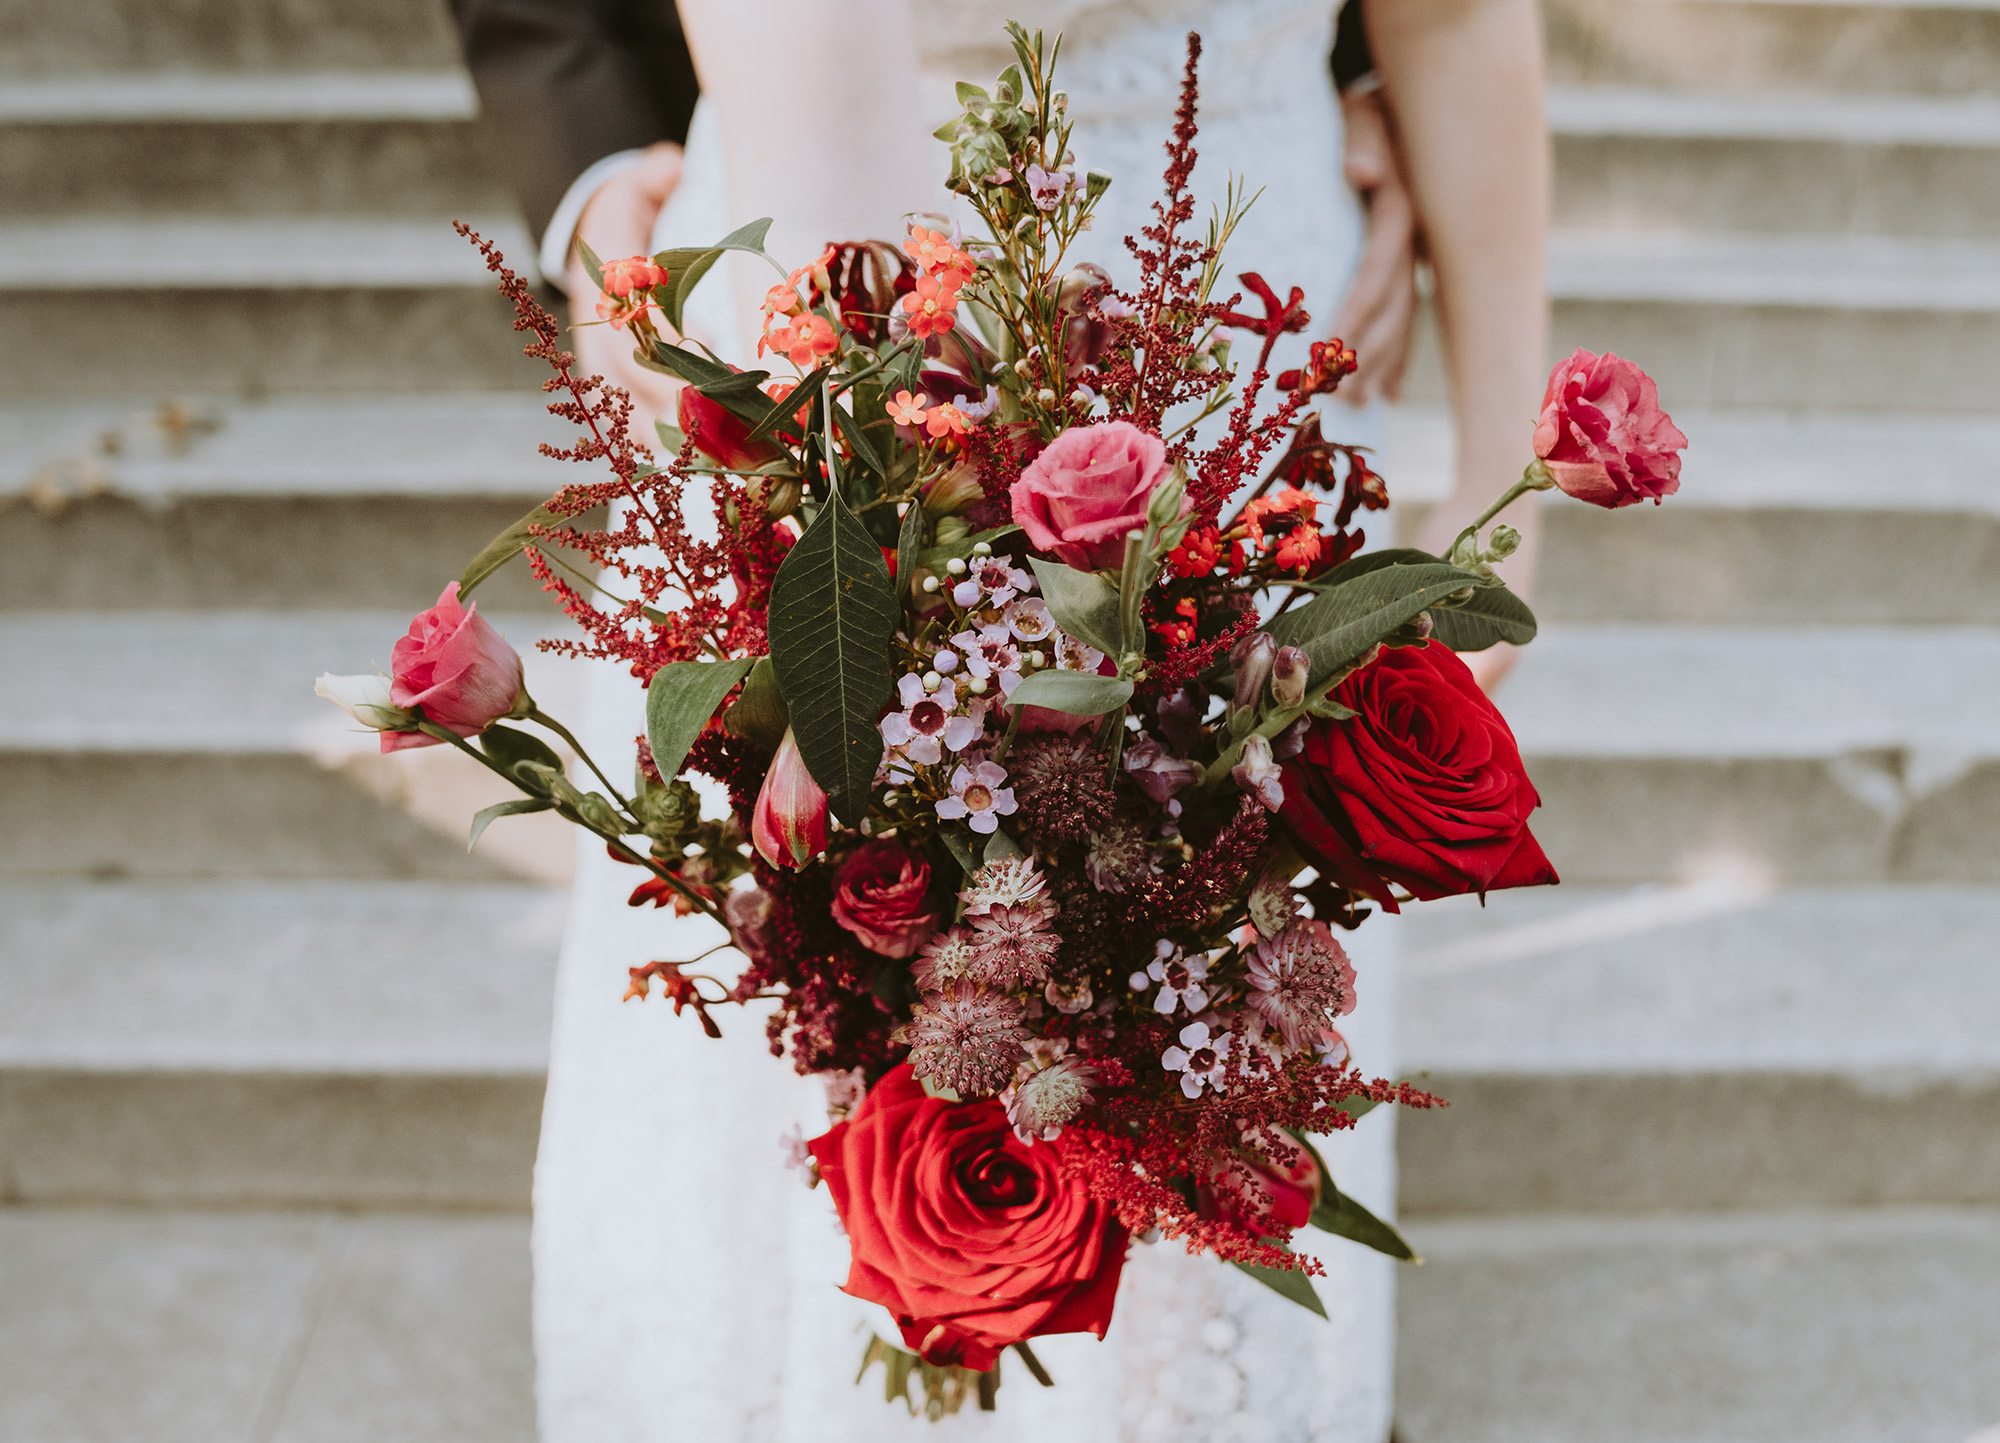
(1064, 723)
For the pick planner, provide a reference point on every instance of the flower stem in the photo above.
(544, 719)
(1535, 478)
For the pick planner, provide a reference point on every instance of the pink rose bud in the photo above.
(1088, 490)
(1288, 677)
(458, 669)
(720, 434)
(1251, 660)
(1603, 435)
(789, 826)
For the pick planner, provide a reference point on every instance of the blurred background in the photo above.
(1724, 1156)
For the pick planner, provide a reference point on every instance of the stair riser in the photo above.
(100, 35)
(257, 552)
(256, 342)
(1779, 186)
(1728, 45)
(268, 1139)
(1621, 821)
(357, 167)
(116, 815)
(1584, 1143)
(1774, 357)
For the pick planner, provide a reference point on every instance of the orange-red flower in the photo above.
(946, 422)
(908, 410)
(782, 300)
(1180, 632)
(631, 274)
(1197, 554)
(1299, 549)
(932, 305)
(803, 342)
(936, 255)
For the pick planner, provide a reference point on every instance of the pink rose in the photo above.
(788, 827)
(457, 668)
(1603, 434)
(881, 895)
(1087, 490)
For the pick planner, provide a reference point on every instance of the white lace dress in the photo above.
(686, 1284)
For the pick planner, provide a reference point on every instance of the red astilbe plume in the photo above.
(649, 547)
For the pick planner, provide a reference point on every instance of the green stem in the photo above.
(542, 718)
(1535, 478)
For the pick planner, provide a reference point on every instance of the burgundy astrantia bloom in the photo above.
(1423, 788)
(972, 1239)
(1603, 435)
(1299, 981)
(966, 1038)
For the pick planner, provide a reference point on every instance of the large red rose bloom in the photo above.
(972, 1239)
(1424, 788)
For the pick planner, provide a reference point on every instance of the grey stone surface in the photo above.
(312, 36)
(1867, 1327)
(167, 1326)
(244, 96)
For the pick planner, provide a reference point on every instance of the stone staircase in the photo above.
(1722, 1160)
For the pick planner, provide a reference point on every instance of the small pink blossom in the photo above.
(1181, 980)
(978, 798)
(1029, 619)
(931, 723)
(990, 654)
(1200, 1059)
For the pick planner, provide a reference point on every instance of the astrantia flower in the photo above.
(1060, 781)
(943, 960)
(1299, 981)
(1181, 980)
(1200, 1059)
(978, 798)
(1013, 946)
(1119, 855)
(966, 1040)
(1004, 882)
(1040, 1104)
(931, 723)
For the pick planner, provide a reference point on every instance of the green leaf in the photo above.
(592, 266)
(933, 558)
(739, 392)
(759, 714)
(510, 747)
(1341, 1215)
(1080, 693)
(832, 619)
(520, 806)
(503, 549)
(1339, 625)
(685, 267)
(1493, 614)
(864, 446)
(958, 839)
(786, 411)
(909, 541)
(1000, 846)
(680, 699)
(1287, 1283)
(1083, 603)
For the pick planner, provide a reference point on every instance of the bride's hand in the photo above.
(1381, 307)
(617, 222)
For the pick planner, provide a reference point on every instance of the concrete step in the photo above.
(257, 1044)
(210, 37)
(1813, 518)
(1950, 47)
(253, 306)
(1818, 756)
(311, 503)
(1797, 1327)
(298, 1327)
(1867, 165)
(1716, 1044)
(165, 744)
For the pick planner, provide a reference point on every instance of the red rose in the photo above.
(973, 1239)
(1603, 434)
(1424, 788)
(881, 896)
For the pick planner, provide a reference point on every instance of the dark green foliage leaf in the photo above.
(1084, 604)
(1000, 846)
(1339, 625)
(520, 806)
(502, 549)
(1341, 1215)
(1287, 1283)
(1077, 692)
(739, 392)
(509, 747)
(1492, 615)
(832, 618)
(785, 412)
(592, 266)
(680, 699)
(960, 840)
(685, 267)
(909, 541)
(759, 713)
(858, 438)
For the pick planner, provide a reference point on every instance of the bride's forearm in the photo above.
(1464, 80)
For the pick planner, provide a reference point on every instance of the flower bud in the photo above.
(366, 699)
(788, 827)
(1502, 543)
(1288, 677)
(1165, 505)
(778, 495)
(1251, 658)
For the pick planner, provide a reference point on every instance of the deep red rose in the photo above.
(882, 896)
(971, 1238)
(1423, 789)
(1603, 435)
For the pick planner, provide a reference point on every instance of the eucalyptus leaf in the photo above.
(1079, 693)
(680, 699)
(520, 806)
(503, 549)
(510, 747)
(1341, 624)
(1491, 615)
(759, 713)
(832, 620)
(1287, 1283)
(1083, 603)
